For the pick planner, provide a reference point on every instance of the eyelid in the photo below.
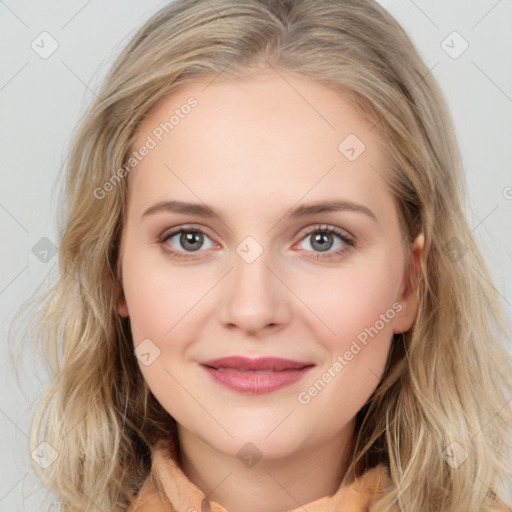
(342, 233)
(184, 227)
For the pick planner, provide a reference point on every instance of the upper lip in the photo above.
(256, 364)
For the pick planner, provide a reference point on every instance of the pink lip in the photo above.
(255, 376)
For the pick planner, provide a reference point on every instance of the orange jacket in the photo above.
(168, 489)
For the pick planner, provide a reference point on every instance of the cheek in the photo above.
(159, 304)
(360, 315)
(355, 299)
(159, 299)
(357, 307)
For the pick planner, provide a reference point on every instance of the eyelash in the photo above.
(349, 242)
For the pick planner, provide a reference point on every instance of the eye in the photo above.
(323, 242)
(327, 240)
(182, 241)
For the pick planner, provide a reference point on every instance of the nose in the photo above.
(253, 299)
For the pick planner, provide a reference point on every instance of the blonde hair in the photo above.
(449, 376)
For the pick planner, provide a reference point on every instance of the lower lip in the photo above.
(256, 383)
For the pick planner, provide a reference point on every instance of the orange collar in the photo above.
(168, 489)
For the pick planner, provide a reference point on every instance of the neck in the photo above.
(270, 485)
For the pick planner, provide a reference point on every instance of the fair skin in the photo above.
(252, 150)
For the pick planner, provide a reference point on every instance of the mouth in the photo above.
(255, 375)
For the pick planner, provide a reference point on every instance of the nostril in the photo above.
(205, 505)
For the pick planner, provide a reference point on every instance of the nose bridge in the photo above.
(253, 298)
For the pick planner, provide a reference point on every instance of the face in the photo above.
(292, 252)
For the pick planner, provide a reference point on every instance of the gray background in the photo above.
(41, 101)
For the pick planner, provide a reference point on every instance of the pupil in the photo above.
(193, 238)
(324, 240)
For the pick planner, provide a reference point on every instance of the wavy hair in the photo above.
(449, 377)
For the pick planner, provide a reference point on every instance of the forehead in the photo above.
(273, 135)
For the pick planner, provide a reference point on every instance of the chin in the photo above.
(256, 442)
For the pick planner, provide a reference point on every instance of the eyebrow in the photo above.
(303, 210)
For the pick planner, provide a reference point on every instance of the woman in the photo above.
(329, 339)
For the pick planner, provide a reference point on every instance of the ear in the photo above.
(408, 297)
(122, 307)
